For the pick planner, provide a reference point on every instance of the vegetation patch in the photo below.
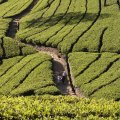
(4, 25)
(86, 32)
(58, 108)
(26, 75)
(96, 75)
(72, 25)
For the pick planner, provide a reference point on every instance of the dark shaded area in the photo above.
(28, 93)
(70, 76)
(32, 92)
(3, 1)
(118, 99)
(21, 53)
(75, 17)
(1, 62)
(51, 93)
(101, 39)
(58, 67)
(1, 53)
(3, 49)
(118, 2)
(14, 28)
(85, 49)
(118, 52)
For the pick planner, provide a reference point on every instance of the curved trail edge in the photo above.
(60, 62)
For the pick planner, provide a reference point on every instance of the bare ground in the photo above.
(59, 65)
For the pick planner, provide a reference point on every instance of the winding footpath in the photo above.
(60, 62)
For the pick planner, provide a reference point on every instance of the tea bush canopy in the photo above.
(41, 39)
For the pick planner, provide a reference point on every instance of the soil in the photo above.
(59, 66)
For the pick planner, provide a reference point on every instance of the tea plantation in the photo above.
(86, 35)
(70, 24)
(97, 75)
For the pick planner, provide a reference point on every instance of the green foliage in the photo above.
(11, 47)
(79, 61)
(27, 49)
(111, 2)
(74, 14)
(109, 21)
(52, 90)
(21, 75)
(93, 75)
(13, 7)
(58, 108)
(109, 91)
(8, 63)
(1, 50)
(4, 24)
(73, 26)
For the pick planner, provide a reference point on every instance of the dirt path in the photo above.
(14, 25)
(59, 65)
(60, 62)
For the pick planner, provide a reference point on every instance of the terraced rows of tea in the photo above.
(23, 70)
(73, 25)
(97, 75)
(86, 32)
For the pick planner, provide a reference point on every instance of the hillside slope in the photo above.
(86, 33)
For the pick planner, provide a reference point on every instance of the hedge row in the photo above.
(10, 48)
(96, 75)
(58, 108)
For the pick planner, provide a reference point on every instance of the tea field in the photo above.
(23, 70)
(58, 108)
(76, 27)
(73, 25)
(86, 35)
(97, 75)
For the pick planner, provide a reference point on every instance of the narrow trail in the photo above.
(60, 62)
(14, 25)
(59, 65)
